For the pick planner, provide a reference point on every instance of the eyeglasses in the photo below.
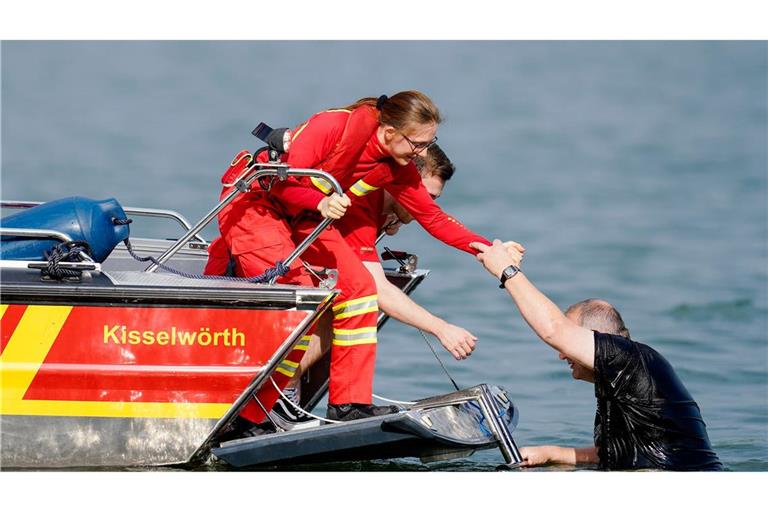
(419, 146)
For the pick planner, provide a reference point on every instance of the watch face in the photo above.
(508, 273)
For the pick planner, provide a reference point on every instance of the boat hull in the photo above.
(118, 374)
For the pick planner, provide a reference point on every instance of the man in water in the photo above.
(645, 417)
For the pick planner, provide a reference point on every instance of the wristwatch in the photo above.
(508, 273)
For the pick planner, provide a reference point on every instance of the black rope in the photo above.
(438, 359)
(65, 252)
(280, 269)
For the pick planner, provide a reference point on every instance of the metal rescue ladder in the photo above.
(483, 396)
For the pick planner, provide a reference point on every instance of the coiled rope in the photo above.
(280, 269)
(65, 252)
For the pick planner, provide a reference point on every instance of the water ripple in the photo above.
(738, 310)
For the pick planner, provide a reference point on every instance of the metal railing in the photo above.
(41, 233)
(130, 210)
(243, 185)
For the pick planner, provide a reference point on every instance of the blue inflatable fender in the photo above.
(78, 217)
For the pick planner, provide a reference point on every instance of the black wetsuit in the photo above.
(645, 416)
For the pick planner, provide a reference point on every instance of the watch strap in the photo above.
(505, 274)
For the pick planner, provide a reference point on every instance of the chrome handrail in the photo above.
(243, 185)
(130, 210)
(41, 233)
(483, 396)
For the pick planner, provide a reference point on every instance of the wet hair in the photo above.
(435, 163)
(599, 315)
(403, 109)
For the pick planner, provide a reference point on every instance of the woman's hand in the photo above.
(334, 206)
(495, 258)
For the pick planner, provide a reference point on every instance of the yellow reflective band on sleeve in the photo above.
(322, 184)
(339, 110)
(356, 307)
(361, 188)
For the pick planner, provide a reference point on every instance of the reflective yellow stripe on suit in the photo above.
(287, 368)
(323, 184)
(303, 343)
(298, 131)
(361, 188)
(356, 307)
(349, 337)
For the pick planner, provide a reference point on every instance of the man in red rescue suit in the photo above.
(346, 143)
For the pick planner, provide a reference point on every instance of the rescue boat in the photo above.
(106, 363)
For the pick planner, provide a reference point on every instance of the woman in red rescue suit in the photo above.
(365, 146)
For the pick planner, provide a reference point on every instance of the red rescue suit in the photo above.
(256, 232)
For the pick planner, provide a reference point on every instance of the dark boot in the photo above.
(349, 412)
(288, 409)
(241, 428)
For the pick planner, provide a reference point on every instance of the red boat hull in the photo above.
(81, 377)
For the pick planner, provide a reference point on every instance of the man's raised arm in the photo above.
(544, 317)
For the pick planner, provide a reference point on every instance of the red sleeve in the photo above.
(296, 196)
(311, 143)
(293, 192)
(409, 191)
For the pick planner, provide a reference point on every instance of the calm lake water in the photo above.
(635, 172)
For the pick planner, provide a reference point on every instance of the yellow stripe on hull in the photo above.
(114, 409)
(27, 349)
